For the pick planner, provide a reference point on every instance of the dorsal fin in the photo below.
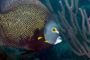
(6, 4)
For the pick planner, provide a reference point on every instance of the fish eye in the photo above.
(54, 29)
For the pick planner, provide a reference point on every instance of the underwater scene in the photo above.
(44, 29)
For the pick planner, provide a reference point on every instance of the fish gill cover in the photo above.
(73, 19)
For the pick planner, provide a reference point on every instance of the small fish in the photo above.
(28, 24)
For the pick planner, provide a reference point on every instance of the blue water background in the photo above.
(60, 51)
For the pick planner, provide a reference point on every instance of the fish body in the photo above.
(22, 23)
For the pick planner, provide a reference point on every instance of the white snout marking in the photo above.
(59, 40)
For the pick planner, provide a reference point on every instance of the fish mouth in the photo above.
(58, 40)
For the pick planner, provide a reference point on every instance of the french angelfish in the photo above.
(28, 24)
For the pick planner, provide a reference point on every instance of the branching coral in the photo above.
(75, 27)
